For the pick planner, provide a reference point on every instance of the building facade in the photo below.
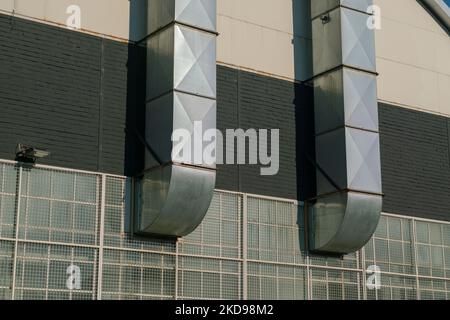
(66, 223)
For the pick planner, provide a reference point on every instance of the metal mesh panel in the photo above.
(117, 221)
(204, 278)
(131, 275)
(83, 220)
(433, 249)
(6, 269)
(391, 248)
(8, 186)
(335, 284)
(44, 272)
(273, 232)
(270, 281)
(394, 287)
(434, 289)
(59, 207)
(220, 233)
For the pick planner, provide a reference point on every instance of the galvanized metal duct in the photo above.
(175, 193)
(347, 209)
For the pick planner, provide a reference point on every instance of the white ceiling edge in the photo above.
(440, 10)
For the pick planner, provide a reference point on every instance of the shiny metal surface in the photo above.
(195, 62)
(181, 58)
(345, 97)
(345, 40)
(160, 63)
(196, 13)
(346, 211)
(174, 200)
(177, 188)
(344, 222)
(175, 111)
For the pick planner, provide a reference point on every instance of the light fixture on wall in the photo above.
(29, 154)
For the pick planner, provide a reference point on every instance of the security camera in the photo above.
(26, 153)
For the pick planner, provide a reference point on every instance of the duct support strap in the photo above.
(175, 191)
(346, 211)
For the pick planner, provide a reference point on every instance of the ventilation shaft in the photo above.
(345, 213)
(175, 191)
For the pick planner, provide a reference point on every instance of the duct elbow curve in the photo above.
(174, 200)
(343, 223)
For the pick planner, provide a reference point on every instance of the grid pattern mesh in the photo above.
(67, 235)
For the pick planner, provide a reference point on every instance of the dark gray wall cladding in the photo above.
(50, 95)
(415, 163)
(246, 100)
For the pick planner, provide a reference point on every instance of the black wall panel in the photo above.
(415, 162)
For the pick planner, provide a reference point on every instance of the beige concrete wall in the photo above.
(413, 58)
(269, 36)
(108, 17)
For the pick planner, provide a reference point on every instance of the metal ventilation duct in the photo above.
(347, 209)
(175, 193)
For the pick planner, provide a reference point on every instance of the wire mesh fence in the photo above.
(67, 234)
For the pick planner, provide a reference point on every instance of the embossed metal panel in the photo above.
(345, 97)
(344, 40)
(176, 111)
(197, 13)
(160, 63)
(343, 222)
(195, 62)
(351, 158)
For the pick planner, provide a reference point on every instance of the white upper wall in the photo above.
(413, 58)
(269, 36)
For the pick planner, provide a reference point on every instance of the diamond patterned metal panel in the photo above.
(351, 158)
(198, 13)
(345, 40)
(360, 99)
(361, 5)
(331, 157)
(160, 67)
(179, 111)
(195, 62)
(345, 97)
(363, 160)
(160, 13)
(358, 41)
(329, 108)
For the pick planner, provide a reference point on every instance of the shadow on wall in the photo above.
(304, 108)
(136, 89)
